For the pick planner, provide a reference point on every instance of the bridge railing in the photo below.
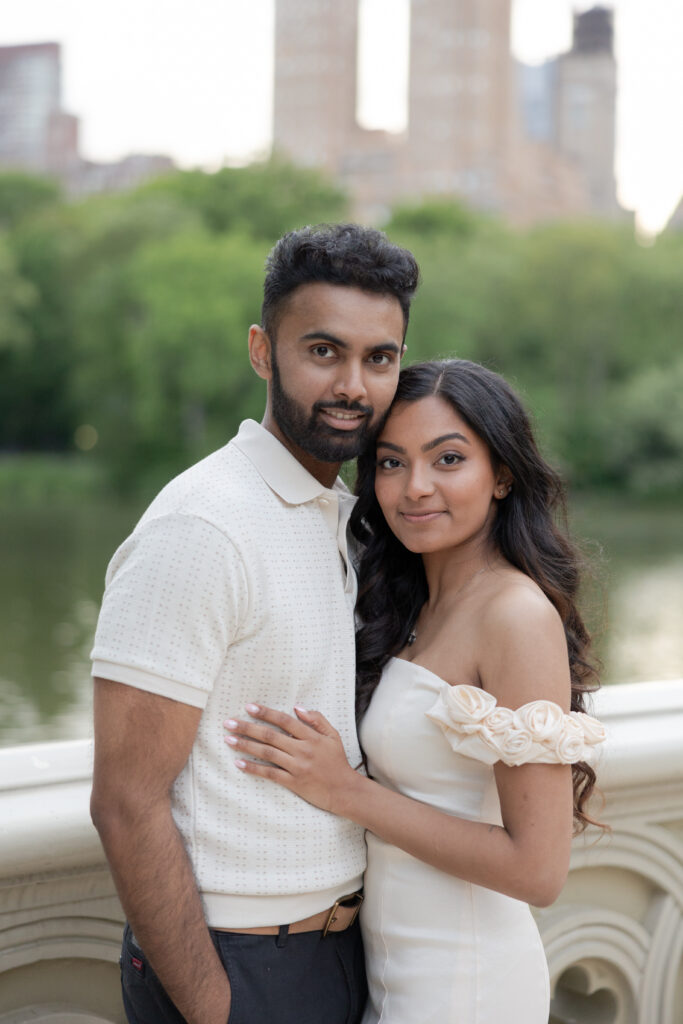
(614, 939)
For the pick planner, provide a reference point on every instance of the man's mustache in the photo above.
(367, 410)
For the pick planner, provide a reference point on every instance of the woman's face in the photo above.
(435, 481)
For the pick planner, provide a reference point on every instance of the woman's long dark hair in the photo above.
(392, 581)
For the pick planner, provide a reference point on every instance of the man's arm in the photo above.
(142, 742)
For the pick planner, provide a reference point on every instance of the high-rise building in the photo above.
(530, 143)
(38, 136)
(459, 98)
(586, 105)
(316, 73)
(35, 133)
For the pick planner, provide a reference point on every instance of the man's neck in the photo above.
(324, 472)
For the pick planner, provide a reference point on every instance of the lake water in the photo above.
(53, 559)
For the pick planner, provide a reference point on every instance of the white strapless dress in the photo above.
(440, 950)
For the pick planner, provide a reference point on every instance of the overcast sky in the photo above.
(195, 80)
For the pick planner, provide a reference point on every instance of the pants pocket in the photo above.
(350, 955)
(144, 998)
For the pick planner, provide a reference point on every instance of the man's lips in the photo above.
(342, 419)
(421, 517)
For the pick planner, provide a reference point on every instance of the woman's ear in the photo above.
(260, 351)
(504, 483)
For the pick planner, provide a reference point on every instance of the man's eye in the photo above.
(324, 351)
(380, 359)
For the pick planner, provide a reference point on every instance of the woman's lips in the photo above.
(421, 517)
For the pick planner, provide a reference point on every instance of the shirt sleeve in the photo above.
(176, 597)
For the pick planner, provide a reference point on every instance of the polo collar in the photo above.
(283, 473)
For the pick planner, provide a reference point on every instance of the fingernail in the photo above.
(303, 711)
(232, 740)
(230, 723)
(253, 709)
(241, 764)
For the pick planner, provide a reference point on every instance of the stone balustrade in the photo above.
(614, 939)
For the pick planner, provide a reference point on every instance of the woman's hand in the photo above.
(307, 756)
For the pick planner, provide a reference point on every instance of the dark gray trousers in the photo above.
(274, 979)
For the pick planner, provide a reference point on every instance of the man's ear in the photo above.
(404, 349)
(260, 352)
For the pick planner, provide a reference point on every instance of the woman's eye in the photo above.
(388, 463)
(450, 459)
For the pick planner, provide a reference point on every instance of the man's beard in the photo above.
(310, 433)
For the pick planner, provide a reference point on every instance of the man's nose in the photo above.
(350, 383)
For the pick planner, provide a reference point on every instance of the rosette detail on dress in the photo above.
(537, 733)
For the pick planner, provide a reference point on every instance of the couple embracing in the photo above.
(307, 705)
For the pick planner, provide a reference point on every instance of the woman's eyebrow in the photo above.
(444, 437)
(425, 447)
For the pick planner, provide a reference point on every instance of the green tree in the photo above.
(434, 218)
(64, 253)
(129, 313)
(173, 380)
(262, 201)
(16, 297)
(643, 447)
(23, 195)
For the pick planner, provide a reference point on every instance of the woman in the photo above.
(472, 669)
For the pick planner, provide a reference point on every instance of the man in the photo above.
(235, 586)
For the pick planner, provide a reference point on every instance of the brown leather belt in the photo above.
(337, 919)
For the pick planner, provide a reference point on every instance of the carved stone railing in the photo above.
(614, 939)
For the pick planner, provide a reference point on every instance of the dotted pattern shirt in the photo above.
(233, 589)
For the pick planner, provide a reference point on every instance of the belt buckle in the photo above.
(342, 902)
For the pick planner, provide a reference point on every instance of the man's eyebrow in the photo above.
(324, 336)
(425, 447)
(386, 346)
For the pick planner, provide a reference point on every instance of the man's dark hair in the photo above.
(344, 254)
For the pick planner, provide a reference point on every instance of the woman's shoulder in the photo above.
(522, 645)
(515, 601)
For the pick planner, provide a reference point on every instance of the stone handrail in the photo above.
(614, 939)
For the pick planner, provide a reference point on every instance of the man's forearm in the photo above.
(159, 895)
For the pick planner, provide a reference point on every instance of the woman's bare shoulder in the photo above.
(522, 644)
(517, 600)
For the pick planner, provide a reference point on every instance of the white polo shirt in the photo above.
(231, 590)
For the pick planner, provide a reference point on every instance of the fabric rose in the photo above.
(594, 731)
(498, 720)
(569, 745)
(515, 744)
(543, 718)
(468, 704)
(536, 733)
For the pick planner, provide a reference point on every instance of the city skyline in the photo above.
(172, 97)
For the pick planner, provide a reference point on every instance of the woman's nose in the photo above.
(419, 483)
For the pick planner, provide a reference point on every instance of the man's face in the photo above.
(334, 370)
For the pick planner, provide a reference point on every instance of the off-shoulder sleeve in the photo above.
(536, 733)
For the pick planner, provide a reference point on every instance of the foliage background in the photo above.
(123, 322)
